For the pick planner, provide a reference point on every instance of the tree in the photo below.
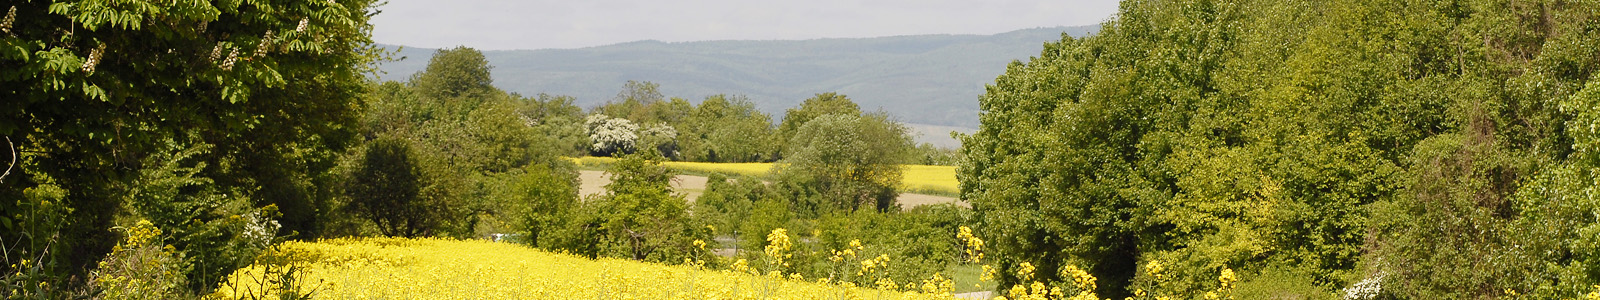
(846, 162)
(387, 189)
(727, 129)
(557, 118)
(460, 74)
(93, 88)
(543, 200)
(816, 106)
(611, 136)
(1300, 138)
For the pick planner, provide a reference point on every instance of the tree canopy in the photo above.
(1326, 142)
(94, 89)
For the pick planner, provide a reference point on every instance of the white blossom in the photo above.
(94, 58)
(1366, 288)
(11, 16)
(611, 135)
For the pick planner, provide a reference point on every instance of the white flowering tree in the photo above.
(610, 136)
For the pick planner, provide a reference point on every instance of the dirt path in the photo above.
(594, 183)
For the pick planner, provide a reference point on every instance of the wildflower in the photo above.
(988, 273)
(1081, 278)
(700, 244)
(741, 266)
(973, 245)
(1154, 268)
(778, 246)
(1025, 271)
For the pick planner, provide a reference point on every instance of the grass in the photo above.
(922, 179)
(966, 277)
(395, 268)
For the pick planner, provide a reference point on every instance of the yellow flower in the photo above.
(1154, 268)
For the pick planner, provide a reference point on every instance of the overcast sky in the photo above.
(540, 24)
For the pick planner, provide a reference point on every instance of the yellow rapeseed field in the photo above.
(918, 178)
(395, 268)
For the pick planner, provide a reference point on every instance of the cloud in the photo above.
(537, 24)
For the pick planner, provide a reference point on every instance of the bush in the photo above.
(639, 218)
(141, 267)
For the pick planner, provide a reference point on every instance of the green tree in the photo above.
(95, 88)
(816, 106)
(1326, 140)
(543, 199)
(558, 119)
(727, 129)
(841, 161)
(473, 143)
(460, 74)
(387, 189)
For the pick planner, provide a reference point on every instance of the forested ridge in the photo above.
(1393, 149)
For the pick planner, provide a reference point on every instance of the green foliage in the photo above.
(726, 129)
(558, 120)
(919, 242)
(638, 218)
(812, 108)
(478, 154)
(140, 267)
(460, 74)
(215, 230)
(94, 89)
(543, 198)
(1347, 138)
(928, 154)
(387, 189)
(842, 161)
(726, 204)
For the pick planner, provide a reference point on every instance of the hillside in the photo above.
(924, 79)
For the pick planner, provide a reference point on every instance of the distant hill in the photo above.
(921, 79)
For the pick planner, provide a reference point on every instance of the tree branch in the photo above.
(13, 148)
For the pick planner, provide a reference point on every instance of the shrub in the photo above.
(141, 267)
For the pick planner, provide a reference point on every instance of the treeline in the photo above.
(1325, 149)
(160, 148)
(721, 128)
(448, 154)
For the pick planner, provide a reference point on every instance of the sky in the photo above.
(544, 24)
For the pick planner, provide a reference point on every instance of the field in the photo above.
(936, 180)
(393, 268)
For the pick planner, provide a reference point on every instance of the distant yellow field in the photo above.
(395, 268)
(918, 178)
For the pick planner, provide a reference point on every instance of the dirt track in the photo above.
(594, 183)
